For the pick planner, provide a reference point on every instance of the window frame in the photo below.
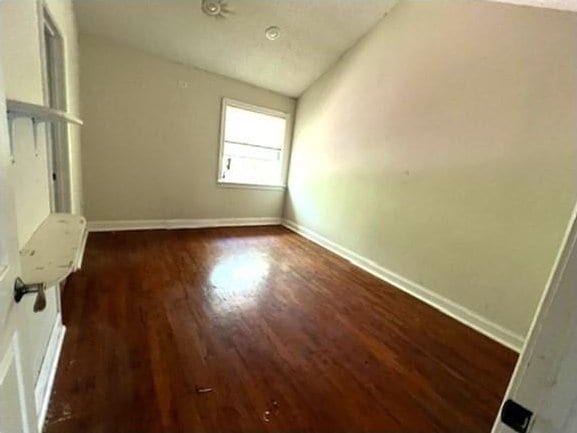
(228, 102)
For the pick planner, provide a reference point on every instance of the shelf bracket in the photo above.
(11, 136)
(35, 132)
(38, 114)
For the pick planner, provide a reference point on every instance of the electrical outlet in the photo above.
(516, 416)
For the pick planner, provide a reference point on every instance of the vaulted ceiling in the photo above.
(314, 34)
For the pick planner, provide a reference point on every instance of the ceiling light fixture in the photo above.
(272, 33)
(215, 8)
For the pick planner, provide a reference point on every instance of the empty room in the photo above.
(288, 216)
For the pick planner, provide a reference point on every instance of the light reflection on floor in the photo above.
(237, 282)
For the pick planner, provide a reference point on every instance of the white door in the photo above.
(16, 396)
(545, 379)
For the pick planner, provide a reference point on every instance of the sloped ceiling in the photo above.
(314, 34)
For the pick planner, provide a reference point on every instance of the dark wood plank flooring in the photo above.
(285, 335)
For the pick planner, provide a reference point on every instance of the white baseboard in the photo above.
(452, 309)
(112, 226)
(45, 381)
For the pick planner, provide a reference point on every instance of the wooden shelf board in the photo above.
(55, 249)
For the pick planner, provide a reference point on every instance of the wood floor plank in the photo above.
(280, 334)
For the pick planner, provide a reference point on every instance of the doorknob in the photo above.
(21, 289)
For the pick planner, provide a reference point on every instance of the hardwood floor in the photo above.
(257, 329)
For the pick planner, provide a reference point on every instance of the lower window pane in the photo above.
(251, 171)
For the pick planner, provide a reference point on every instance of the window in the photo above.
(253, 141)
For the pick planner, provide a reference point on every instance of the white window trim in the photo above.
(284, 152)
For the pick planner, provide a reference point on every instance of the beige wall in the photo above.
(444, 148)
(150, 146)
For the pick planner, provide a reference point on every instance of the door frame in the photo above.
(53, 58)
(543, 359)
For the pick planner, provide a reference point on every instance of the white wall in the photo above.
(20, 35)
(150, 145)
(22, 68)
(443, 148)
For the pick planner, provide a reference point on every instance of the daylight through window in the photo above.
(252, 146)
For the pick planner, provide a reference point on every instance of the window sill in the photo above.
(251, 186)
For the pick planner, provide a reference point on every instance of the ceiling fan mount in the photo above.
(215, 8)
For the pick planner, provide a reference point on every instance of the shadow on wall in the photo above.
(449, 156)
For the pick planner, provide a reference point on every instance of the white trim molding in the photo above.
(45, 380)
(3, 272)
(450, 308)
(113, 226)
(564, 5)
(285, 149)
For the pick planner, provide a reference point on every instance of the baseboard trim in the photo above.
(45, 381)
(113, 226)
(452, 309)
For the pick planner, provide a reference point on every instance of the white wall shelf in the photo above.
(54, 251)
(37, 114)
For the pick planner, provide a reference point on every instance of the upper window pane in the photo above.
(250, 127)
(252, 145)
